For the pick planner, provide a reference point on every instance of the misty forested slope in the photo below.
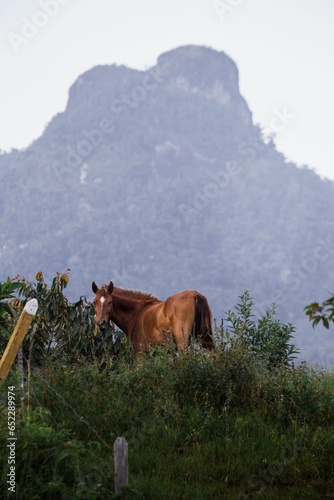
(160, 181)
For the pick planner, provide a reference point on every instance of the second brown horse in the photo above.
(147, 320)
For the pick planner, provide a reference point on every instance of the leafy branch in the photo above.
(321, 312)
(7, 290)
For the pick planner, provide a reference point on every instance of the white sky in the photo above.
(283, 49)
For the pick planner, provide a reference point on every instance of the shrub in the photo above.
(51, 463)
(66, 330)
(268, 338)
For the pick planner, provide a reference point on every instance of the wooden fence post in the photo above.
(121, 464)
(17, 337)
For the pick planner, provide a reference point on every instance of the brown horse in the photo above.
(147, 320)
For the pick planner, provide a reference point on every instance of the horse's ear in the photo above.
(94, 287)
(110, 287)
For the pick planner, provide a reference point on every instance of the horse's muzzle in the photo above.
(102, 324)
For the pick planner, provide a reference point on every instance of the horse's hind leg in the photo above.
(181, 312)
(181, 335)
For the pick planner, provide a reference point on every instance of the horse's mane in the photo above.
(133, 294)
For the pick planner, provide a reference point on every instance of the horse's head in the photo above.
(103, 303)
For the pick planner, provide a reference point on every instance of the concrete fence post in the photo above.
(121, 464)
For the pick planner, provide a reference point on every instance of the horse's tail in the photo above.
(203, 322)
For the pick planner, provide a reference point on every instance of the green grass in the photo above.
(198, 426)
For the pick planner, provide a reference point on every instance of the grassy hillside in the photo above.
(238, 422)
(198, 426)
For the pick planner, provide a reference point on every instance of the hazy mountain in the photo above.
(159, 180)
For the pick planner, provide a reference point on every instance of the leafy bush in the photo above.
(269, 338)
(51, 463)
(226, 379)
(66, 330)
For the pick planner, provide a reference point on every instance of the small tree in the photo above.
(60, 326)
(64, 329)
(268, 338)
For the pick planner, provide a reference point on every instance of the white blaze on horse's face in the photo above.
(102, 303)
(103, 307)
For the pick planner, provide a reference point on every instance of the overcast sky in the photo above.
(283, 49)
